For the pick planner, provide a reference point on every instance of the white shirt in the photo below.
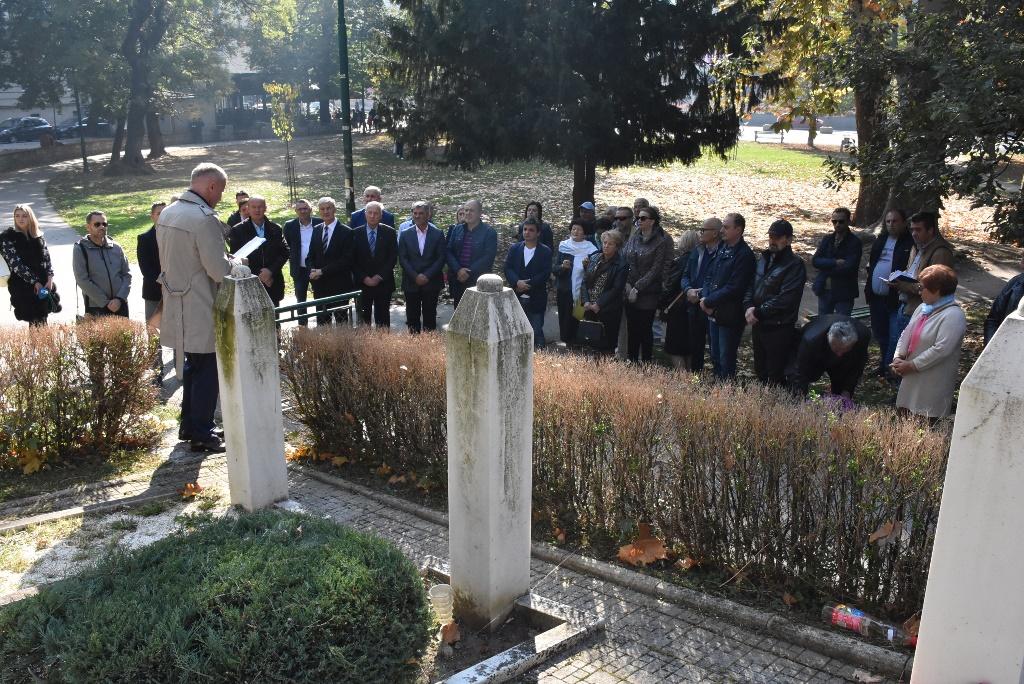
(528, 254)
(305, 237)
(421, 238)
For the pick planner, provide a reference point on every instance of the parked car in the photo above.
(23, 129)
(69, 129)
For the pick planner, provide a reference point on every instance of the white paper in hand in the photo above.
(249, 247)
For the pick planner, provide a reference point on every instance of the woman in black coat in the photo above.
(24, 249)
(603, 285)
(673, 304)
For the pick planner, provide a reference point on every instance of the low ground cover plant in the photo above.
(788, 492)
(68, 391)
(268, 596)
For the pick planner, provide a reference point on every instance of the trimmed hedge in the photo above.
(735, 477)
(268, 596)
(70, 390)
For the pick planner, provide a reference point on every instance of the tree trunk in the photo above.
(812, 129)
(115, 152)
(157, 148)
(873, 193)
(584, 176)
(328, 45)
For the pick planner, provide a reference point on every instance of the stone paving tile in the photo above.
(646, 640)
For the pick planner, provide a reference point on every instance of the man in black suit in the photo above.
(421, 252)
(374, 255)
(148, 255)
(298, 233)
(268, 260)
(241, 197)
(329, 260)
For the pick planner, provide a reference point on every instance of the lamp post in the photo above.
(81, 131)
(346, 115)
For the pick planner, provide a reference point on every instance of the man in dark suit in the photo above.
(725, 284)
(472, 248)
(148, 254)
(833, 344)
(329, 260)
(236, 217)
(298, 233)
(358, 218)
(374, 255)
(421, 251)
(527, 270)
(838, 262)
(268, 260)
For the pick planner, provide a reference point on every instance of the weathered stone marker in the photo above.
(973, 615)
(250, 393)
(490, 452)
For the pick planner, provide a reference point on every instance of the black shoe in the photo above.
(183, 436)
(213, 446)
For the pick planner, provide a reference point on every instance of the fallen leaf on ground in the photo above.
(887, 532)
(339, 460)
(384, 469)
(349, 417)
(450, 633)
(190, 490)
(912, 625)
(687, 563)
(789, 599)
(396, 479)
(646, 549)
(560, 535)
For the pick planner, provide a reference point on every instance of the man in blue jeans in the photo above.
(527, 270)
(725, 285)
(838, 262)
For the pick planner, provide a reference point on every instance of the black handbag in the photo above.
(53, 301)
(589, 333)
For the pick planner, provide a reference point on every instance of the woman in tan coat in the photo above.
(928, 352)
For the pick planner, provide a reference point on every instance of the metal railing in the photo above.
(346, 301)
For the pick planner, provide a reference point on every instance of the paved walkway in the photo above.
(646, 640)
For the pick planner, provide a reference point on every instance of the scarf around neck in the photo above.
(578, 251)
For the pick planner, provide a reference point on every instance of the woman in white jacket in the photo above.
(928, 352)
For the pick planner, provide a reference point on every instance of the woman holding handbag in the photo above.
(570, 263)
(603, 285)
(24, 249)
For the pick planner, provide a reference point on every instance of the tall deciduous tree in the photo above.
(576, 82)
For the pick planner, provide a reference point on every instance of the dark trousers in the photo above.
(456, 289)
(827, 305)
(698, 336)
(421, 305)
(639, 333)
(567, 323)
(375, 304)
(884, 321)
(725, 342)
(301, 282)
(337, 316)
(199, 388)
(773, 345)
(104, 311)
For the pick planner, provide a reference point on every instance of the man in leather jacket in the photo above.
(772, 304)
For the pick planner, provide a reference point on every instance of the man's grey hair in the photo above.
(425, 206)
(326, 201)
(257, 198)
(378, 205)
(302, 200)
(713, 222)
(373, 189)
(207, 169)
(842, 334)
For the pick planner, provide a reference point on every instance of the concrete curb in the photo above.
(834, 645)
(103, 507)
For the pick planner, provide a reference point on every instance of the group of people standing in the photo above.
(613, 275)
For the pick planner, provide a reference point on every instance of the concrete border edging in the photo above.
(835, 645)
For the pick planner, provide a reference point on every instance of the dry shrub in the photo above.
(734, 477)
(68, 391)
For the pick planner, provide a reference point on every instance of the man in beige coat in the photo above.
(192, 256)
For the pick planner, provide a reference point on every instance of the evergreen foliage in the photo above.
(577, 83)
(268, 596)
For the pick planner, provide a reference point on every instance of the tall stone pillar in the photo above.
(490, 448)
(250, 393)
(973, 615)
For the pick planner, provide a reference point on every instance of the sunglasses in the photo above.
(97, 224)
